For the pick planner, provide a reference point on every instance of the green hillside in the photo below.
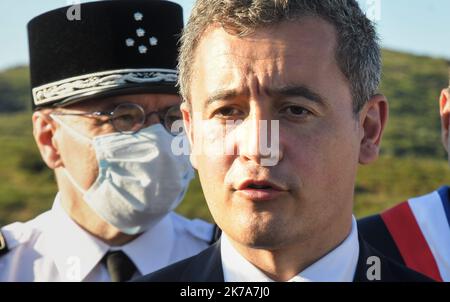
(15, 90)
(413, 160)
(413, 85)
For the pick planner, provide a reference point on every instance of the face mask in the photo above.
(139, 181)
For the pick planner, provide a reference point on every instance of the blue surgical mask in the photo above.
(139, 180)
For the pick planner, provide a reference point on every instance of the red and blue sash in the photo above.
(420, 228)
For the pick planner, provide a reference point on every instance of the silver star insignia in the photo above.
(140, 32)
(153, 41)
(129, 42)
(138, 16)
(143, 49)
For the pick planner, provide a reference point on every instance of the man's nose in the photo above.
(258, 139)
(152, 118)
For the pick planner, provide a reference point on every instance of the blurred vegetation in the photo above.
(413, 161)
(15, 90)
(413, 85)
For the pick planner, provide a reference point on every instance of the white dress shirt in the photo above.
(339, 265)
(52, 247)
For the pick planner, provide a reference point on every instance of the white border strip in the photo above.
(430, 216)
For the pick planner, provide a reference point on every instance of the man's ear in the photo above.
(43, 131)
(373, 119)
(444, 107)
(186, 110)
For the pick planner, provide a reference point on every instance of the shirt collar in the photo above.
(151, 251)
(76, 252)
(339, 265)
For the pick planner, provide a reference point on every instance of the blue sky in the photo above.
(417, 26)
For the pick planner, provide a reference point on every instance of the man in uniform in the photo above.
(105, 114)
(416, 232)
(312, 69)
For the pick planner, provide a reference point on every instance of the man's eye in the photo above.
(227, 112)
(296, 111)
(125, 118)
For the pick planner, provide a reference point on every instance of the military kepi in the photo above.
(109, 48)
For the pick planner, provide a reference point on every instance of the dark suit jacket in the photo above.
(375, 232)
(207, 267)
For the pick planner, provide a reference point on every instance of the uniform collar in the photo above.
(339, 265)
(151, 251)
(76, 252)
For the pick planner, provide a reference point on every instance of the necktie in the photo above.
(119, 266)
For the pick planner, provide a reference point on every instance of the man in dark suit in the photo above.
(416, 232)
(312, 69)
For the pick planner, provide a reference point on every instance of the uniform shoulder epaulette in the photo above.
(14, 235)
(3, 244)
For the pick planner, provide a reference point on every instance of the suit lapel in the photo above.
(369, 261)
(206, 267)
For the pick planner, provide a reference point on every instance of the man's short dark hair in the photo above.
(357, 53)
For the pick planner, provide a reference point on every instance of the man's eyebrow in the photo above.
(222, 94)
(285, 91)
(297, 91)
